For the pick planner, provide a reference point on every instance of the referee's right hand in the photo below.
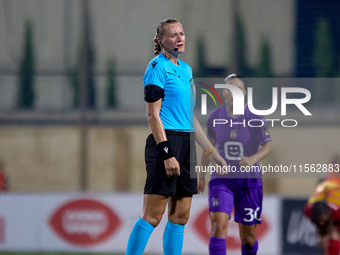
(172, 167)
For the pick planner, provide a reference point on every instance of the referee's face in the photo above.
(174, 37)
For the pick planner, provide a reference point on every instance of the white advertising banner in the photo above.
(94, 222)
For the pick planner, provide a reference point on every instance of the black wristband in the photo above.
(165, 150)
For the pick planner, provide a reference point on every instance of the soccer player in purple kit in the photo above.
(242, 146)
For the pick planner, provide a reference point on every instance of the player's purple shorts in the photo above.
(247, 201)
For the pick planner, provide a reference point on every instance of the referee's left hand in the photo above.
(172, 167)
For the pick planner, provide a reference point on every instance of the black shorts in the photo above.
(157, 182)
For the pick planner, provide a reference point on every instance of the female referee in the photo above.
(239, 144)
(169, 96)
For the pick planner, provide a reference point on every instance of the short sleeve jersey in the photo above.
(177, 82)
(236, 137)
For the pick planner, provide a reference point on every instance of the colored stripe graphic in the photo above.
(213, 90)
(206, 91)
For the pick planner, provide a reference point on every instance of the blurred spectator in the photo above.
(3, 178)
(323, 209)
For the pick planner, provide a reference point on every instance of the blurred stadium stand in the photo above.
(33, 142)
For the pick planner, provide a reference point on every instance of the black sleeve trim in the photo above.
(153, 93)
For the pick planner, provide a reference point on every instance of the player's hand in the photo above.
(200, 185)
(246, 161)
(218, 162)
(172, 167)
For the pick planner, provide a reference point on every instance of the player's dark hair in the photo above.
(160, 33)
(318, 209)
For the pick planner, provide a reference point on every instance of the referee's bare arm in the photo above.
(157, 128)
(201, 175)
(204, 142)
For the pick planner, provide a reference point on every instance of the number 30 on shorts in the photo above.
(251, 214)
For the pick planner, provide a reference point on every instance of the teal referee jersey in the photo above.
(177, 82)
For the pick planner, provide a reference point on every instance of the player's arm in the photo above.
(201, 175)
(205, 160)
(153, 113)
(206, 145)
(325, 236)
(333, 245)
(263, 152)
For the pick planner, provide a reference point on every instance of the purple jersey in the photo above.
(235, 136)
